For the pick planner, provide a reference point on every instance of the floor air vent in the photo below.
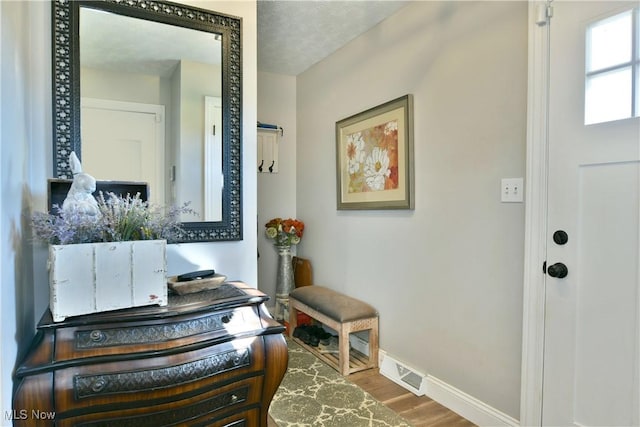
(403, 375)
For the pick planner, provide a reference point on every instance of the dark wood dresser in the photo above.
(213, 358)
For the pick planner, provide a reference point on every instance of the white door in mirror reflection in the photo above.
(124, 141)
(213, 178)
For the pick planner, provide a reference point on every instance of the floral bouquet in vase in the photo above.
(285, 232)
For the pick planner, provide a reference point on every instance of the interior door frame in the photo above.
(535, 214)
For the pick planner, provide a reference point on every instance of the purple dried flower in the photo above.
(120, 219)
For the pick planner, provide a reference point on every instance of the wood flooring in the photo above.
(419, 411)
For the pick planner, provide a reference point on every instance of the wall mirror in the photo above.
(152, 91)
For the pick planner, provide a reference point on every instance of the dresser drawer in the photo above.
(77, 343)
(147, 382)
(244, 419)
(231, 405)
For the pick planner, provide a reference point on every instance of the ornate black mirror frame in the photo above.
(66, 95)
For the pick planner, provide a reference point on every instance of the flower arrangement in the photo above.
(118, 219)
(285, 232)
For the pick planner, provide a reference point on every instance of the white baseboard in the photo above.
(458, 401)
(467, 406)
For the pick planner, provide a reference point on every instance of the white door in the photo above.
(123, 141)
(592, 316)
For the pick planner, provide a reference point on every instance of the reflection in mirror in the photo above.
(150, 103)
(151, 91)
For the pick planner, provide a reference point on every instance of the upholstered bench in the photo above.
(344, 315)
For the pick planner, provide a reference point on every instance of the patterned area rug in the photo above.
(313, 394)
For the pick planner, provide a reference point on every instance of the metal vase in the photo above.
(284, 283)
(284, 276)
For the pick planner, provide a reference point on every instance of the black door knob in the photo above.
(558, 270)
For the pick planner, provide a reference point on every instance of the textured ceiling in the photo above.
(294, 35)
(120, 43)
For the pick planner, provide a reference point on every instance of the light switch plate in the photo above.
(512, 190)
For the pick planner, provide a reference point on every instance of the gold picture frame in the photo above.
(374, 157)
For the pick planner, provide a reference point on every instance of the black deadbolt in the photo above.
(560, 237)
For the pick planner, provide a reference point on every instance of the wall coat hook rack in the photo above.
(268, 141)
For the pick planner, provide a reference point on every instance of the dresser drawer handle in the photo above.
(98, 385)
(234, 398)
(97, 336)
(226, 318)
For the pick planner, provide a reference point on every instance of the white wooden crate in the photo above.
(94, 277)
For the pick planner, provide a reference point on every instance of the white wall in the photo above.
(447, 276)
(276, 192)
(26, 163)
(123, 86)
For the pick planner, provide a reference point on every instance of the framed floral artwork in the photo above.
(375, 157)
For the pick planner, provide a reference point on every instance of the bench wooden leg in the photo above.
(373, 344)
(343, 347)
(293, 317)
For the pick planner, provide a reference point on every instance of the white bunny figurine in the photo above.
(79, 197)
